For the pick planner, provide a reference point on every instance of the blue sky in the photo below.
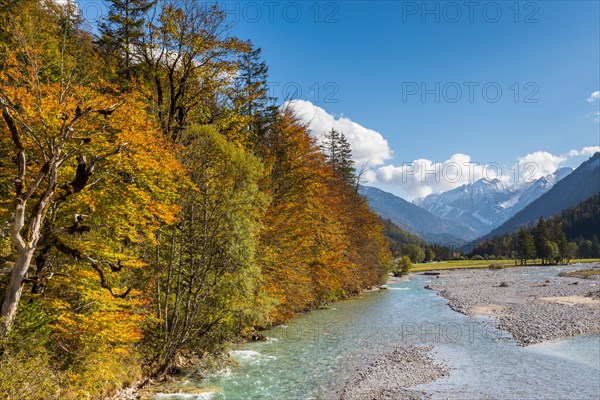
(544, 56)
(369, 61)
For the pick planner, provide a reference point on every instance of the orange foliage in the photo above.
(320, 241)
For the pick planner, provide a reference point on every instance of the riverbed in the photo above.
(320, 353)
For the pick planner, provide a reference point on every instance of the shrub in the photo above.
(403, 265)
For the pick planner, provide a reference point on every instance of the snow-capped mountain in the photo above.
(578, 186)
(416, 220)
(487, 203)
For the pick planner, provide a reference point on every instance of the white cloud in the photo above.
(368, 146)
(422, 177)
(537, 164)
(586, 151)
(589, 150)
(595, 96)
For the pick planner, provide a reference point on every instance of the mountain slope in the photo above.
(416, 220)
(398, 235)
(487, 203)
(580, 224)
(577, 187)
(583, 220)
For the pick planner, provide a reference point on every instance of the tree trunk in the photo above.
(14, 289)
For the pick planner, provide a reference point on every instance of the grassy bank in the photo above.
(467, 264)
(585, 273)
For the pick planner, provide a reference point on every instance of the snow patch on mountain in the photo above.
(487, 203)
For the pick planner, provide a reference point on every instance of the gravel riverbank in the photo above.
(391, 374)
(533, 309)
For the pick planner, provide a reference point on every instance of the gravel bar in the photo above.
(391, 375)
(531, 307)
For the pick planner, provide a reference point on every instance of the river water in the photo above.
(313, 356)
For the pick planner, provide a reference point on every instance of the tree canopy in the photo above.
(155, 203)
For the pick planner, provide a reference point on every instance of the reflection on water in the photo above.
(313, 356)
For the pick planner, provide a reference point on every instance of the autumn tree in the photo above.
(190, 61)
(206, 278)
(293, 170)
(86, 160)
(402, 266)
(319, 242)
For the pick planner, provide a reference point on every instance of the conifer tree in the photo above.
(339, 155)
(122, 30)
(525, 246)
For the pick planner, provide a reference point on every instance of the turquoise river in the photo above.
(317, 353)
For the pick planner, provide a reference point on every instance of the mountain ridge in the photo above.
(580, 185)
(415, 219)
(485, 204)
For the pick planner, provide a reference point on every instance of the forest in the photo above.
(403, 243)
(156, 203)
(571, 234)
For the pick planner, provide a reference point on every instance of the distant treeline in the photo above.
(573, 233)
(403, 243)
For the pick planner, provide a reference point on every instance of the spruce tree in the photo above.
(559, 237)
(252, 82)
(122, 29)
(541, 237)
(525, 246)
(339, 155)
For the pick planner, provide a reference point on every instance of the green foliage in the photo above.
(339, 155)
(183, 210)
(252, 98)
(121, 33)
(571, 234)
(26, 372)
(398, 238)
(402, 266)
(583, 220)
(414, 252)
(525, 246)
(549, 251)
(429, 254)
(207, 279)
